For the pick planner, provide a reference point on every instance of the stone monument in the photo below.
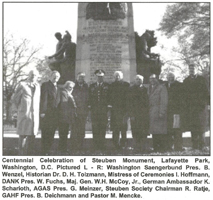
(106, 40)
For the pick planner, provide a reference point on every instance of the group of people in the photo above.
(163, 109)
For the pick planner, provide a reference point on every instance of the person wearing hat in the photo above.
(80, 94)
(26, 99)
(118, 91)
(98, 103)
(174, 112)
(158, 100)
(139, 113)
(195, 99)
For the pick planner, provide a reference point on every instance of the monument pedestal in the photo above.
(106, 40)
(67, 71)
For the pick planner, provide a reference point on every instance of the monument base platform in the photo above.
(10, 146)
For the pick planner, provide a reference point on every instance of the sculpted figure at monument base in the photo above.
(66, 65)
(147, 63)
(148, 67)
(67, 71)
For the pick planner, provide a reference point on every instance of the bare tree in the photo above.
(17, 55)
(44, 70)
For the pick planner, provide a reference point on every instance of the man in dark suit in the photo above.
(98, 102)
(195, 99)
(118, 100)
(139, 113)
(174, 112)
(50, 98)
(80, 94)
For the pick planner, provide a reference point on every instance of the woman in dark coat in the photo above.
(67, 114)
(80, 94)
(139, 112)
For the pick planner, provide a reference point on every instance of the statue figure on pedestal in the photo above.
(106, 11)
(59, 45)
(54, 62)
(64, 59)
(147, 63)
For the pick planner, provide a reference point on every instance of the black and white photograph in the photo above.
(106, 78)
(106, 100)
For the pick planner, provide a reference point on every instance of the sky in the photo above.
(38, 22)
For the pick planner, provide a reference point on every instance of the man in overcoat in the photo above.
(195, 99)
(174, 112)
(158, 100)
(98, 102)
(80, 94)
(118, 92)
(50, 98)
(26, 99)
(139, 112)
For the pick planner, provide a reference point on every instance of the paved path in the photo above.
(11, 133)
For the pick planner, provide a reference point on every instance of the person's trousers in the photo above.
(78, 132)
(63, 133)
(99, 131)
(117, 129)
(118, 125)
(47, 138)
(174, 138)
(197, 138)
(139, 137)
(99, 122)
(139, 133)
(26, 145)
(160, 142)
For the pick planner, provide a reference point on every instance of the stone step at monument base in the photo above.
(10, 143)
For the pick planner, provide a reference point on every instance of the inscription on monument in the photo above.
(106, 40)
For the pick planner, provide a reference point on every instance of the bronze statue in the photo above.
(54, 62)
(106, 11)
(59, 45)
(68, 49)
(147, 63)
(66, 63)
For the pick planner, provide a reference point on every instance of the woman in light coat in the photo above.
(158, 100)
(26, 99)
